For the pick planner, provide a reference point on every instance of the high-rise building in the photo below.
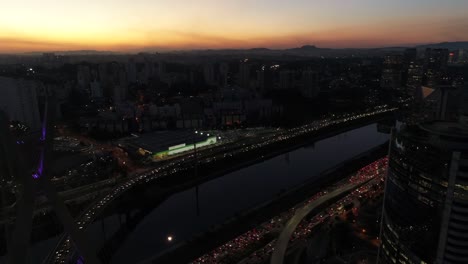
(436, 66)
(413, 71)
(131, 71)
(83, 76)
(244, 74)
(162, 69)
(51, 60)
(410, 55)
(415, 74)
(96, 90)
(119, 94)
(224, 74)
(286, 79)
(426, 196)
(19, 101)
(143, 73)
(265, 79)
(309, 87)
(453, 57)
(462, 56)
(209, 74)
(392, 72)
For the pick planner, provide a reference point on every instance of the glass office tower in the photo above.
(426, 197)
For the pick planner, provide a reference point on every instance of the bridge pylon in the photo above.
(18, 241)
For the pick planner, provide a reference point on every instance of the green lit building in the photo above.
(160, 145)
(184, 147)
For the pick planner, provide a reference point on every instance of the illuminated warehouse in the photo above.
(160, 145)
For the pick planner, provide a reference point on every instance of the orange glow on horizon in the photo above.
(131, 26)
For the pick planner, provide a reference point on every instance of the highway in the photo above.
(256, 245)
(64, 250)
(285, 236)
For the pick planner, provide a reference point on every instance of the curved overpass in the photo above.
(64, 249)
(283, 240)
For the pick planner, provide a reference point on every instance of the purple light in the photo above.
(43, 136)
(41, 163)
(80, 260)
(40, 169)
(44, 127)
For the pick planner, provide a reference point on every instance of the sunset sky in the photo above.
(134, 25)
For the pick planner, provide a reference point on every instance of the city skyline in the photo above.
(305, 131)
(143, 25)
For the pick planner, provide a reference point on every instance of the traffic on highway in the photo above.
(65, 250)
(257, 245)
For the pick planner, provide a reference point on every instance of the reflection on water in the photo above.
(193, 211)
(181, 217)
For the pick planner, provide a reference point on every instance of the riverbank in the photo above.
(138, 190)
(202, 243)
(211, 170)
(187, 178)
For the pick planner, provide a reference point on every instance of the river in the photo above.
(222, 198)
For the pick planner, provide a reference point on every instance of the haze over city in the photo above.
(144, 25)
(233, 132)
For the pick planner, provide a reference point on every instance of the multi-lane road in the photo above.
(64, 250)
(257, 245)
(285, 236)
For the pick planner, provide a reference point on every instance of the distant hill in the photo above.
(305, 48)
(304, 51)
(446, 45)
(314, 51)
(75, 52)
(260, 49)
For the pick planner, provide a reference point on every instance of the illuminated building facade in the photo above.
(392, 72)
(181, 148)
(161, 144)
(426, 196)
(436, 66)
